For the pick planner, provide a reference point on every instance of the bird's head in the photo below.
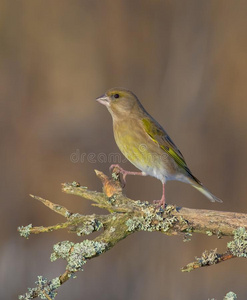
(119, 101)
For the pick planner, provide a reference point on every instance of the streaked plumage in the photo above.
(145, 143)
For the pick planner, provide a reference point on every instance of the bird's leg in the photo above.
(162, 201)
(125, 173)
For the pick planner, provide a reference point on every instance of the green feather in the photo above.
(174, 155)
(159, 136)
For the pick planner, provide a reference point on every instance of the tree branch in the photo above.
(126, 217)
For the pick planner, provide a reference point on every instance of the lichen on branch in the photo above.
(126, 217)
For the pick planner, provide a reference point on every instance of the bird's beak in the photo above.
(103, 100)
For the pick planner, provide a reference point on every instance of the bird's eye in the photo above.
(116, 96)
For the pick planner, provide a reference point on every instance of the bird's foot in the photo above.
(125, 173)
(160, 203)
(119, 170)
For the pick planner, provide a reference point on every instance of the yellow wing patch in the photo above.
(173, 154)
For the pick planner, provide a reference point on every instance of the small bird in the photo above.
(144, 142)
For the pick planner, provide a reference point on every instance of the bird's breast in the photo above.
(142, 151)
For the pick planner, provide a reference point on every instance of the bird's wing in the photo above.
(159, 136)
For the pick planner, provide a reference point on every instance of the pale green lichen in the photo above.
(143, 203)
(67, 214)
(77, 254)
(209, 257)
(61, 250)
(75, 184)
(230, 296)
(238, 246)
(112, 229)
(133, 223)
(85, 230)
(25, 230)
(115, 176)
(75, 216)
(44, 288)
(186, 228)
(187, 237)
(112, 199)
(87, 227)
(151, 221)
(30, 294)
(219, 234)
(72, 275)
(209, 233)
(76, 259)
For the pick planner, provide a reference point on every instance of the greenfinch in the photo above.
(144, 142)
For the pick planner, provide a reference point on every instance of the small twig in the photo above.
(42, 229)
(64, 277)
(208, 258)
(55, 207)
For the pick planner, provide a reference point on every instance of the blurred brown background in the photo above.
(187, 62)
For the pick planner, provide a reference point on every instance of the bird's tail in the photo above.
(200, 187)
(207, 193)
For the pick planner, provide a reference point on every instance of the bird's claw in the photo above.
(120, 170)
(125, 173)
(114, 166)
(159, 203)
